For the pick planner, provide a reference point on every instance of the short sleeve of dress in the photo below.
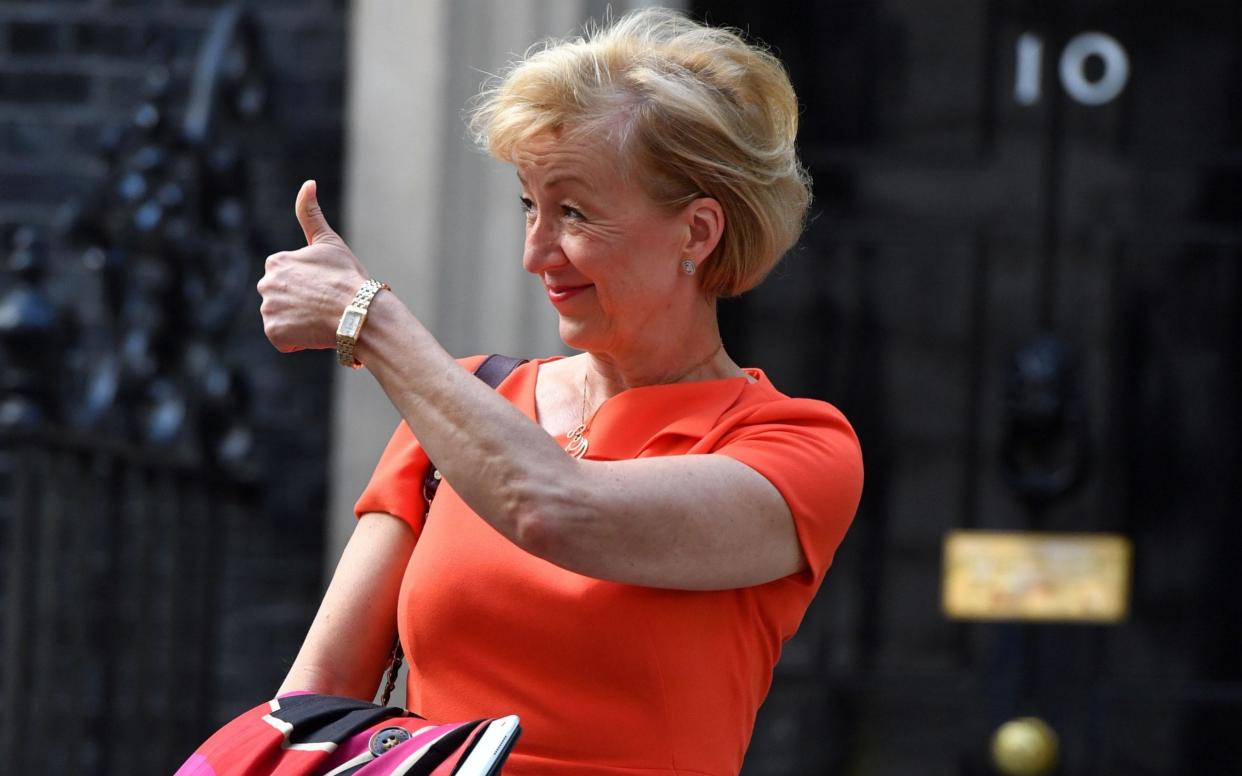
(808, 450)
(396, 485)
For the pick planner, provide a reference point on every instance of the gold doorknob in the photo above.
(1026, 746)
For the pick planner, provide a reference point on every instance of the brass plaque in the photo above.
(1067, 577)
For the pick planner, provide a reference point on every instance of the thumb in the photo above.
(310, 216)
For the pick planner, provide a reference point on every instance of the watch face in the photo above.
(351, 321)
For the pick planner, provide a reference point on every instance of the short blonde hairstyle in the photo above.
(694, 111)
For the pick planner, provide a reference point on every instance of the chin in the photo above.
(571, 334)
(576, 334)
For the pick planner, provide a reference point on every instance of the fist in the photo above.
(305, 291)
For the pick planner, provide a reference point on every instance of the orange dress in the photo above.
(608, 678)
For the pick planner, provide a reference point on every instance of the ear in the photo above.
(705, 221)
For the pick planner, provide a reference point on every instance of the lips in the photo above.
(563, 293)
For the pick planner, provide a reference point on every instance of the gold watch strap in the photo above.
(355, 315)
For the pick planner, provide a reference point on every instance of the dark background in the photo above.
(1029, 310)
(162, 468)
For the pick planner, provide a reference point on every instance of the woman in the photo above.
(624, 538)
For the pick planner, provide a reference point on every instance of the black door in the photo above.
(1022, 284)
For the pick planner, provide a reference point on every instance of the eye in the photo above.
(528, 207)
(572, 212)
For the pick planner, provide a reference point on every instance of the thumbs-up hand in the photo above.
(305, 291)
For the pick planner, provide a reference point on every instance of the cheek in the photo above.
(636, 291)
(586, 256)
(631, 275)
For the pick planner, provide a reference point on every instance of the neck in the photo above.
(697, 354)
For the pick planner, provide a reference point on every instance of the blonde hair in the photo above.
(694, 110)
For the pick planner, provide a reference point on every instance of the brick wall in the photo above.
(71, 71)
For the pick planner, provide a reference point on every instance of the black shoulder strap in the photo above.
(494, 369)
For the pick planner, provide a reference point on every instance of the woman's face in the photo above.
(607, 255)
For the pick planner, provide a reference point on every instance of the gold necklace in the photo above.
(578, 443)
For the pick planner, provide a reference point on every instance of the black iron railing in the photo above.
(129, 451)
(110, 573)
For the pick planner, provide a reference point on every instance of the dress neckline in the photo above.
(625, 418)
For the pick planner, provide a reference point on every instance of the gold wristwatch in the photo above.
(350, 327)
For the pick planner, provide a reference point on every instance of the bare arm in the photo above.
(352, 634)
(694, 522)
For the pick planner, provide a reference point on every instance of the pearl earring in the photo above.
(687, 266)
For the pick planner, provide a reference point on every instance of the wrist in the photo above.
(377, 318)
(353, 321)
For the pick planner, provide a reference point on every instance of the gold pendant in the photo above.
(577, 445)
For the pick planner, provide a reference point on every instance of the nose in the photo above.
(542, 250)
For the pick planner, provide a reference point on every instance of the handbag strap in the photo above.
(494, 369)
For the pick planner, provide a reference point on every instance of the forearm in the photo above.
(352, 634)
(337, 659)
(507, 468)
